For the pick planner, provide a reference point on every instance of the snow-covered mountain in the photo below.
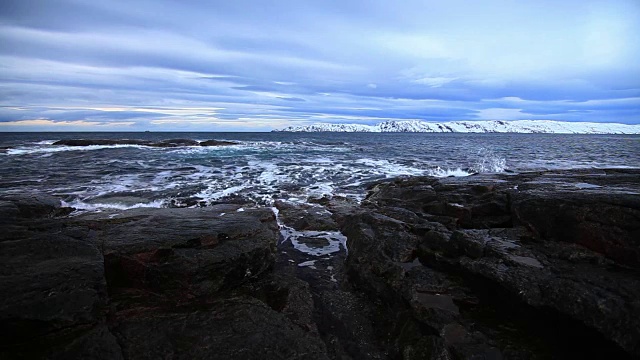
(480, 126)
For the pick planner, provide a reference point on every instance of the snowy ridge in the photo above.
(480, 126)
(323, 127)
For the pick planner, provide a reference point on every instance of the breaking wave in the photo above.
(46, 148)
(250, 171)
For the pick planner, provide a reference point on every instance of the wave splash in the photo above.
(487, 161)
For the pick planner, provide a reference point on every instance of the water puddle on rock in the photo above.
(314, 256)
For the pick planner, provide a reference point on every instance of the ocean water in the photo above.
(264, 167)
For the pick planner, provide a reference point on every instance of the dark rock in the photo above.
(31, 206)
(51, 285)
(606, 223)
(535, 265)
(217, 143)
(285, 294)
(344, 319)
(553, 242)
(190, 253)
(92, 343)
(324, 200)
(175, 143)
(305, 216)
(98, 343)
(236, 328)
(69, 284)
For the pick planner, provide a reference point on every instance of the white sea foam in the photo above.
(440, 172)
(55, 149)
(583, 186)
(487, 161)
(310, 263)
(259, 171)
(96, 206)
(336, 240)
(220, 194)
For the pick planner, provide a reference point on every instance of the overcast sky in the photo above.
(257, 65)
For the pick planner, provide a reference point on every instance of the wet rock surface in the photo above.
(142, 283)
(536, 251)
(510, 266)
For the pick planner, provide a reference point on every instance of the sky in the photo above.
(169, 65)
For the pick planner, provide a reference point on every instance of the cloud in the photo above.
(434, 81)
(37, 123)
(226, 65)
(501, 113)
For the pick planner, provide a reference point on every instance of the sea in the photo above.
(265, 167)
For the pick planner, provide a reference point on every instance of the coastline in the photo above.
(495, 265)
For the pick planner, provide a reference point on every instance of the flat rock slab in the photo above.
(182, 254)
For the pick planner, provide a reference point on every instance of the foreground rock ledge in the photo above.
(521, 266)
(490, 265)
(102, 286)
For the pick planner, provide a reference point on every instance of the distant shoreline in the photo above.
(480, 126)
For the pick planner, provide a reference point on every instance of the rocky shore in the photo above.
(537, 265)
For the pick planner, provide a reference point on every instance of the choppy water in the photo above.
(268, 166)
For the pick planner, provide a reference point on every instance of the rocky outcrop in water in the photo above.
(163, 144)
(514, 266)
